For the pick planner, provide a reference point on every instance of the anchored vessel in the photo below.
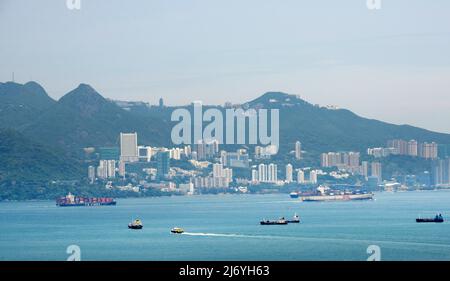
(280, 221)
(437, 218)
(136, 224)
(324, 194)
(70, 201)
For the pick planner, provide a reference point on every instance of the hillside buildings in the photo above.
(413, 148)
(265, 174)
(298, 150)
(440, 172)
(238, 159)
(128, 147)
(163, 163)
(289, 171)
(342, 160)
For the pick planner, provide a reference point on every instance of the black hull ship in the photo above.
(281, 221)
(436, 219)
(273, 222)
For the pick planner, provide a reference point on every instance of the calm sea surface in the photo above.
(226, 227)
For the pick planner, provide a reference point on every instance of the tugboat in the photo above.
(280, 221)
(136, 224)
(295, 219)
(177, 230)
(438, 219)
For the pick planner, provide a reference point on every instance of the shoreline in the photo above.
(227, 194)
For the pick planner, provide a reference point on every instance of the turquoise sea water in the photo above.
(226, 227)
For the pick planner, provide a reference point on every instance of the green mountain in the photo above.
(26, 160)
(20, 104)
(83, 118)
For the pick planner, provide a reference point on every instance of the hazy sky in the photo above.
(391, 64)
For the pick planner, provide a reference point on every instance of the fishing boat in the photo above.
(136, 224)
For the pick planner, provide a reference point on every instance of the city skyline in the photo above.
(166, 51)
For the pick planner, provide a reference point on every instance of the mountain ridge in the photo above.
(83, 117)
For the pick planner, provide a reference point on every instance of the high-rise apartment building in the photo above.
(376, 171)
(440, 172)
(344, 160)
(300, 177)
(128, 147)
(163, 164)
(428, 150)
(298, 150)
(413, 148)
(289, 171)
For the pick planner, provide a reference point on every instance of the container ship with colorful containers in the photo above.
(71, 200)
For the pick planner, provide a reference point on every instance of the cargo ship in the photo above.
(437, 219)
(280, 221)
(325, 195)
(75, 201)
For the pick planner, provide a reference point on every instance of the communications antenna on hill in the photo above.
(13, 76)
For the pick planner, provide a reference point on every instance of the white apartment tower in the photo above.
(298, 150)
(289, 171)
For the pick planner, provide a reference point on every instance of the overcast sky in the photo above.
(391, 64)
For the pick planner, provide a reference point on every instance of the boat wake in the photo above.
(317, 239)
(217, 234)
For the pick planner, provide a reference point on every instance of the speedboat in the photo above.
(177, 230)
(136, 224)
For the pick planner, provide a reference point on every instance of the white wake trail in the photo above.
(216, 234)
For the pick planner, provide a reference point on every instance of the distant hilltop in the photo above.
(84, 118)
